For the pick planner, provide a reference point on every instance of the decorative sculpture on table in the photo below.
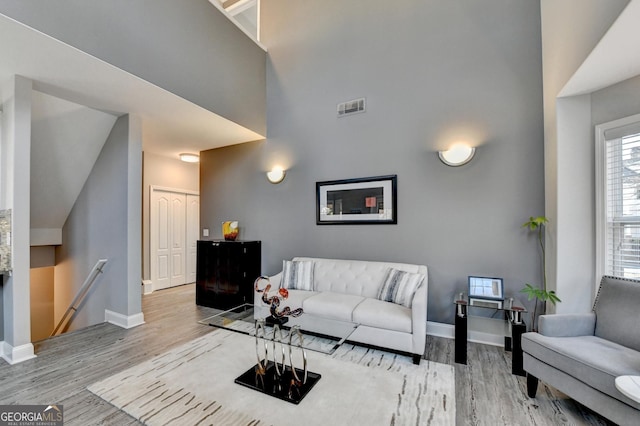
(277, 316)
(277, 377)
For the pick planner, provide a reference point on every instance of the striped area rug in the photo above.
(193, 384)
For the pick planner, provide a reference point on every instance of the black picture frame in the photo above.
(359, 201)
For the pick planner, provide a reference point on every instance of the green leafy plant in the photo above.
(537, 224)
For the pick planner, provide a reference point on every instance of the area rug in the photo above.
(193, 384)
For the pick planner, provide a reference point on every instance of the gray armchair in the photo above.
(582, 354)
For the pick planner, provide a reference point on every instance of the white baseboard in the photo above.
(123, 321)
(448, 331)
(439, 329)
(14, 355)
(147, 287)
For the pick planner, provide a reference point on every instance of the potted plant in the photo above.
(537, 224)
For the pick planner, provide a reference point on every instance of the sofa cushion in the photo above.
(399, 287)
(593, 360)
(385, 315)
(296, 298)
(297, 275)
(332, 305)
(616, 311)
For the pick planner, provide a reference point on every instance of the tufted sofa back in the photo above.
(617, 312)
(358, 277)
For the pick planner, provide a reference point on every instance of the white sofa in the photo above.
(347, 290)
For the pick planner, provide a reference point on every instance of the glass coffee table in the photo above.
(273, 374)
(318, 334)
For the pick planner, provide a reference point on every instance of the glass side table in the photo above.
(510, 324)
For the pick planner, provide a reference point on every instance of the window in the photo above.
(618, 198)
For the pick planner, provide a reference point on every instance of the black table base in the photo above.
(283, 387)
(512, 343)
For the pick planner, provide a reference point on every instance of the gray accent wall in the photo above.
(187, 47)
(100, 226)
(433, 73)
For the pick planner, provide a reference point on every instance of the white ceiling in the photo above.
(615, 58)
(170, 124)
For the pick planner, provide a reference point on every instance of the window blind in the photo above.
(622, 174)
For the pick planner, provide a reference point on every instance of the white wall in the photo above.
(569, 150)
(617, 101)
(105, 223)
(168, 173)
(15, 181)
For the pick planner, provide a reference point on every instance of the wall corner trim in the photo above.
(147, 287)
(14, 355)
(123, 321)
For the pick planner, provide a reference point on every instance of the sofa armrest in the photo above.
(419, 318)
(275, 280)
(567, 325)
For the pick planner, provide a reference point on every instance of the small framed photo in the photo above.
(486, 288)
(371, 200)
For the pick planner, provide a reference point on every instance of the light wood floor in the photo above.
(486, 393)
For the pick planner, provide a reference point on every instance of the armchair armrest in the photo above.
(567, 325)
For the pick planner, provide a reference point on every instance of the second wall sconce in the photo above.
(276, 175)
(457, 155)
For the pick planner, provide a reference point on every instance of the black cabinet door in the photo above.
(250, 269)
(225, 272)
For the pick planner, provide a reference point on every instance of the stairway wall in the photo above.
(99, 226)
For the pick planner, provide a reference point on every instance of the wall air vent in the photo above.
(351, 107)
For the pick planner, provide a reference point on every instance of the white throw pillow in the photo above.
(400, 286)
(297, 275)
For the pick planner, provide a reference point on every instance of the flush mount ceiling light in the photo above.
(457, 155)
(276, 175)
(190, 158)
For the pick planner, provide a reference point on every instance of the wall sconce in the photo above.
(190, 158)
(457, 155)
(276, 175)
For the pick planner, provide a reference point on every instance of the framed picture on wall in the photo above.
(371, 200)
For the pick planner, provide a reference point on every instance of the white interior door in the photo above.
(178, 238)
(160, 216)
(174, 230)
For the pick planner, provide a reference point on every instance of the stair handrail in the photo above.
(97, 269)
